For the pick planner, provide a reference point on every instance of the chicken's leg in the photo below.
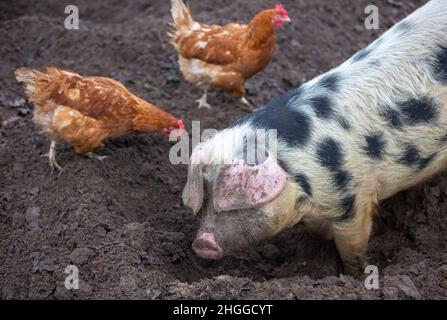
(203, 103)
(52, 157)
(247, 103)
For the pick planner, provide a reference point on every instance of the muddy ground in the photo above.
(121, 221)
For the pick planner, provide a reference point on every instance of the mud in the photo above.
(121, 220)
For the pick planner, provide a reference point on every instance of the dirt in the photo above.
(121, 220)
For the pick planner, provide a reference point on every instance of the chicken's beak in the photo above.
(167, 131)
(287, 19)
(176, 132)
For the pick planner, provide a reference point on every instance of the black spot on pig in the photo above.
(441, 66)
(341, 179)
(344, 123)
(347, 206)
(412, 112)
(330, 82)
(426, 161)
(412, 157)
(416, 111)
(293, 126)
(392, 117)
(375, 145)
(329, 154)
(303, 181)
(362, 54)
(322, 106)
(276, 103)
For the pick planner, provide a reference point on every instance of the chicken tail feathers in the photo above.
(183, 21)
(30, 78)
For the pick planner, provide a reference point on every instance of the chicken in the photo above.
(224, 57)
(84, 111)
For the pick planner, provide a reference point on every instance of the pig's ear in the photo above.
(240, 186)
(193, 192)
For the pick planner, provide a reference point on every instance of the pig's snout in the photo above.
(206, 247)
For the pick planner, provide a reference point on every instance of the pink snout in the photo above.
(206, 247)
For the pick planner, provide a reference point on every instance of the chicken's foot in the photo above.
(91, 155)
(203, 103)
(52, 157)
(247, 103)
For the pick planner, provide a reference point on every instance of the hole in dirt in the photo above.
(291, 253)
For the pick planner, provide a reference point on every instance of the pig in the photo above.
(346, 140)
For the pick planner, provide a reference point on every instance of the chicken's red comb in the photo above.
(181, 128)
(281, 10)
(180, 124)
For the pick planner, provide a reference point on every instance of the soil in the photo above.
(121, 220)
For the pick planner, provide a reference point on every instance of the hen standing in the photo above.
(84, 111)
(224, 57)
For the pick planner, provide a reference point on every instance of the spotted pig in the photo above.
(345, 141)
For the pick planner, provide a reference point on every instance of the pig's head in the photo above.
(238, 204)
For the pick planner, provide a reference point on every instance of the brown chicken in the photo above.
(84, 111)
(224, 57)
